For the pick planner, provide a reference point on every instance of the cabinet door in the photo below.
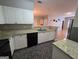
(9, 14)
(20, 41)
(24, 16)
(47, 36)
(58, 54)
(28, 16)
(17, 16)
(1, 16)
(51, 36)
(42, 37)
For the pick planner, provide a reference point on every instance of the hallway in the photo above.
(61, 34)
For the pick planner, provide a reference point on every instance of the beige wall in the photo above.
(40, 20)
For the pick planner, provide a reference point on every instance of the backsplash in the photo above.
(6, 27)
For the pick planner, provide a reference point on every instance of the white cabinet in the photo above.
(19, 16)
(51, 36)
(9, 15)
(45, 36)
(11, 40)
(20, 41)
(13, 15)
(24, 16)
(1, 16)
(28, 17)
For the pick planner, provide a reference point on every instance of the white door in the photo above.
(20, 41)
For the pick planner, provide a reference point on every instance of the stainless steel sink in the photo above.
(42, 30)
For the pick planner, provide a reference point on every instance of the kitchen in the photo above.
(28, 33)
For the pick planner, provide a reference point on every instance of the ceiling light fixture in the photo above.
(40, 2)
(68, 13)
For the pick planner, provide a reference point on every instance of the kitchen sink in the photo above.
(41, 29)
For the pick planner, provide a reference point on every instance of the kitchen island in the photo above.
(67, 46)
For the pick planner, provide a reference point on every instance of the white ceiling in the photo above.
(54, 7)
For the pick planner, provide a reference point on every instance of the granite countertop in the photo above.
(7, 34)
(69, 47)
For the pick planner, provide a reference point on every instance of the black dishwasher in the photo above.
(32, 39)
(5, 48)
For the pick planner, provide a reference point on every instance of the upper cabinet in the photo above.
(12, 15)
(1, 16)
(9, 15)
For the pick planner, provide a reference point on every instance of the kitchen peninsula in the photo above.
(65, 49)
(21, 38)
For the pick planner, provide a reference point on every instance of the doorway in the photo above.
(70, 27)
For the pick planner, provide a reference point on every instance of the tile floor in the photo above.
(41, 51)
(4, 57)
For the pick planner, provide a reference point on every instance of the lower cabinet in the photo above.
(20, 41)
(47, 36)
(58, 54)
(30, 39)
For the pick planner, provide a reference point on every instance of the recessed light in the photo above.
(68, 13)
